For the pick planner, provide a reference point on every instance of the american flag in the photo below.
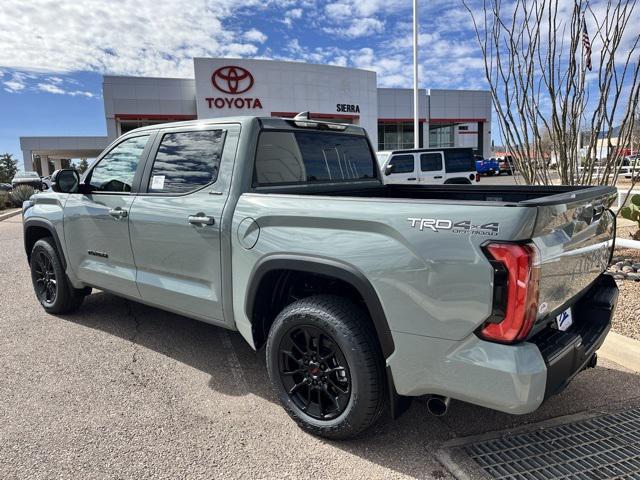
(586, 44)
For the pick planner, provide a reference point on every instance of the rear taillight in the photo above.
(518, 288)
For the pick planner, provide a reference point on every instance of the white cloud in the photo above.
(17, 82)
(364, 8)
(50, 88)
(240, 49)
(255, 35)
(154, 38)
(338, 11)
(54, 80)
(291, 15)
(361, 18)
(359, 27)
(57, 90)
(13, 86)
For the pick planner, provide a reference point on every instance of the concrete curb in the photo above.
(11, 213)
(622, 350)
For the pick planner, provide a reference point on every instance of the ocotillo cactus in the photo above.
(632, 212)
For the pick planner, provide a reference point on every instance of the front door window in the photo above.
(117, 168)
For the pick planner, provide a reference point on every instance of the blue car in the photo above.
(487, 166)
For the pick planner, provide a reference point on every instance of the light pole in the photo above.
(416, 115)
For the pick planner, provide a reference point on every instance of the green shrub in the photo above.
(4, 199)
(20, 194)
(632, 212)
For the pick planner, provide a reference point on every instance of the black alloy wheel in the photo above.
(50, 282)
(325, 364)
(314, 372)
(44, 278)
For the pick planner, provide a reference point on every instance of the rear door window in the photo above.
(186, 161)
(402, 163)
(306, 157)
(430, 162)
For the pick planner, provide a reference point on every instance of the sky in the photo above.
(53, 53)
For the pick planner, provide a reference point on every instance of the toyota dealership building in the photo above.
(223, 87)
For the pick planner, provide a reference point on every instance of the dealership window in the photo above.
(441, 136)
(186, 161)
(403, 163)
(296, 157)
(117, 168)
(396, 135)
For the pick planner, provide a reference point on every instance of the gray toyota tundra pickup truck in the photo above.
(363, 294)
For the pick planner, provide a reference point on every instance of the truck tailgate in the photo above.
(574, 240)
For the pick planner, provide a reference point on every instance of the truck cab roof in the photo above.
(271, 123)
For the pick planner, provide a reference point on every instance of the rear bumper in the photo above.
(511, 378)
(568, 353)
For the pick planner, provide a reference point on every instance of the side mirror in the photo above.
(65, 180)
(389, 169)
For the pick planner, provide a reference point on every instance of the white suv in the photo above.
(428, 166)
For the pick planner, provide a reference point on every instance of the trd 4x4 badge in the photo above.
(462, 227)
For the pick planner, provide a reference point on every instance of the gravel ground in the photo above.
(119, 390)
(626, 320)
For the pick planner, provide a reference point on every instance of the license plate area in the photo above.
(564, 320)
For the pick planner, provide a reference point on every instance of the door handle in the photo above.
(118, 213)
(438, 176)
(201, 219)
(412, 178)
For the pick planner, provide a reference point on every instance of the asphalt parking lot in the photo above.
(121, 390)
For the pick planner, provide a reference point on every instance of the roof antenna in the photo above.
(302, 116)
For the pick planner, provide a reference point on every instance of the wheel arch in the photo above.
(38, 228)
(328, 268)
(457, 181)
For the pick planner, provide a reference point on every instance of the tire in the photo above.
(50, 283)
(356, 366)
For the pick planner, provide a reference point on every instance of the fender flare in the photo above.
(46, 224)
(330, 268)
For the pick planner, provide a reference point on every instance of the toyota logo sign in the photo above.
(231, 79)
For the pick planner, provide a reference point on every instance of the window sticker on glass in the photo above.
(157, 182)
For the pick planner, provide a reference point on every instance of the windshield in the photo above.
(293, 157)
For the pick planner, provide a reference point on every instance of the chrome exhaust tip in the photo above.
(438, 405)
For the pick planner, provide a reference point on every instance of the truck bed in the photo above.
(522, 195)
(570, 226)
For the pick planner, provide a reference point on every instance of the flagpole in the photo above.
(416, 114)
